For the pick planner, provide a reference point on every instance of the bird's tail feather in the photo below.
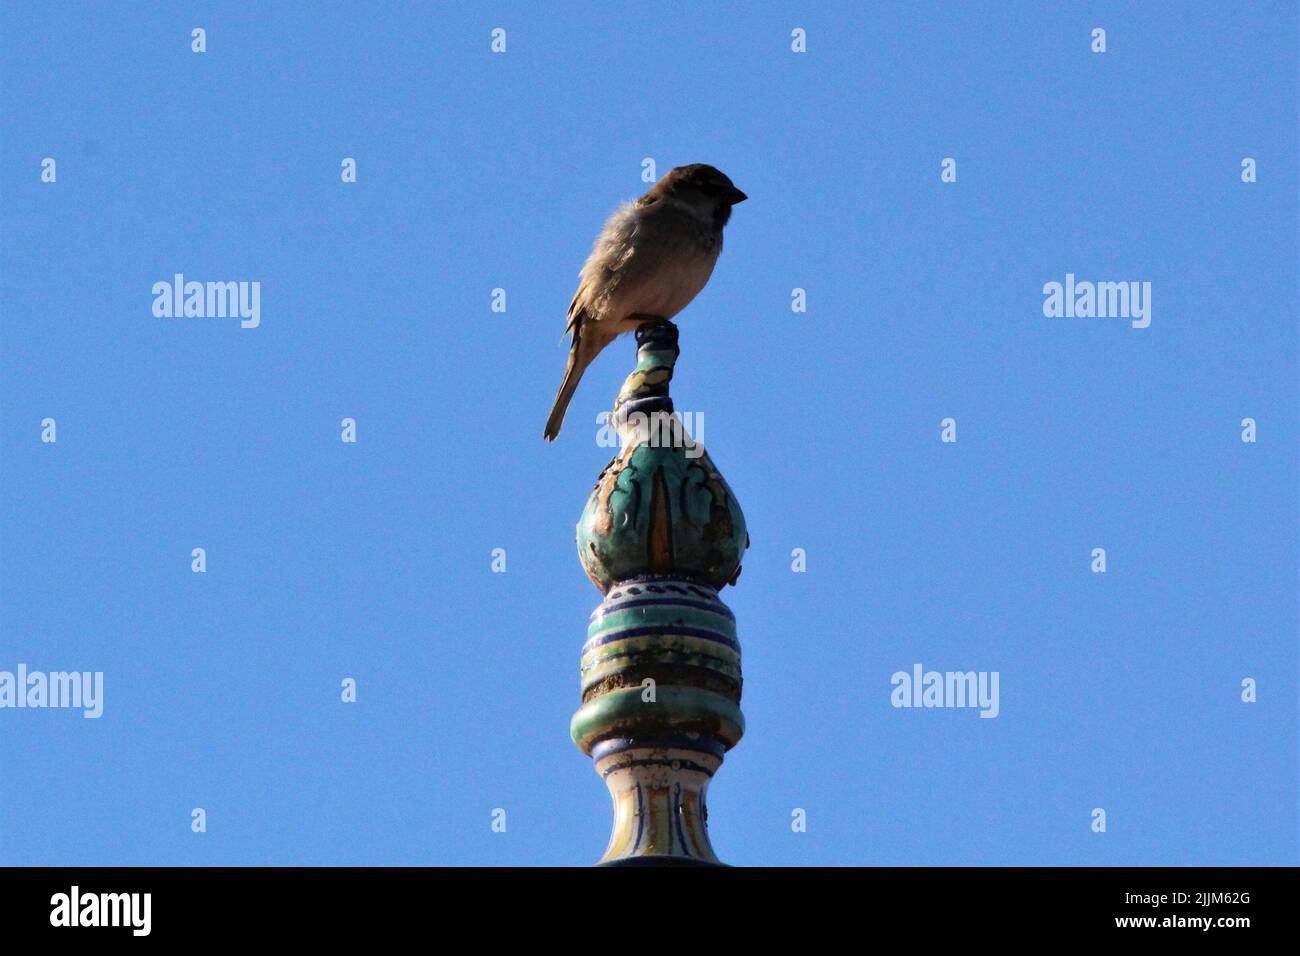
(572, 373)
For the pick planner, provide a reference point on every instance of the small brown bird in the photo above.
(652, 258)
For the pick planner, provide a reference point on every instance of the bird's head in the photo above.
(704, 189)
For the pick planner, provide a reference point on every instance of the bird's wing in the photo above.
(613, 251)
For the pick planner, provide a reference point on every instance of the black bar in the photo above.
(332, 905)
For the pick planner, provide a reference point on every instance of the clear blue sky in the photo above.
(372, 560)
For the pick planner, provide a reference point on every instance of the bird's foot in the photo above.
(656, 329)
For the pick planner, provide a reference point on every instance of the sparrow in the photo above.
(652, 258)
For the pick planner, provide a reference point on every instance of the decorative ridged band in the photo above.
(663, 637)
(674, 710)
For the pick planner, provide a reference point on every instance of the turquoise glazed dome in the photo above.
(656, 511)
(660, 506)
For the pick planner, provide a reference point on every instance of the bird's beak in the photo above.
(734, 196)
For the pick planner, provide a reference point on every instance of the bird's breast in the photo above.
(677, 278)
